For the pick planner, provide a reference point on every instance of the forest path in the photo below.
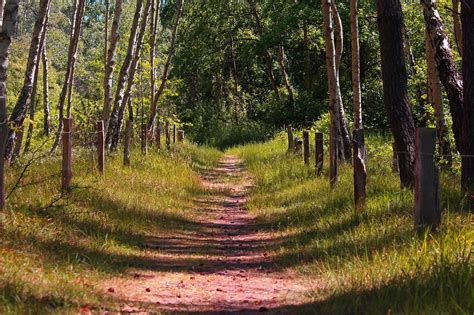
(219, 263)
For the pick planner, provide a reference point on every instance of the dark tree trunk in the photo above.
(46, 116)
(394, 73)
(467, 20)
(447, 70)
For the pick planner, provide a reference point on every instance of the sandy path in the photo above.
(220, 264)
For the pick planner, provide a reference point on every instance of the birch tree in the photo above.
(66, 91)
(19, 112)
(9, 10)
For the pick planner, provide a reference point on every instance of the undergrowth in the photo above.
(371, 262)
(54, 246)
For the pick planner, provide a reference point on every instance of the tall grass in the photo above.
(54, 248)
(372, 262)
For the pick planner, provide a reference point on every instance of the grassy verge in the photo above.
(371, 262)
(53, 248)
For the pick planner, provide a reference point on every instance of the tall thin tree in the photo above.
(395, 86)
(9, 10)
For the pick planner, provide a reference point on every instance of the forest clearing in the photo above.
(244, 156)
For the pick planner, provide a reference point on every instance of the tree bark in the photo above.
(169, 59)
(457, 26)
(154, 19)
(332, 91)
(394, 74)
(110, 63)
(355, 47)
(9, 23)
(66, 90)
(46, 116)
(435, 98)
(345, 141)
(467, 20)
(18, 114)
(447, 69)
(124, 70)
(131, 75)
(32, 107)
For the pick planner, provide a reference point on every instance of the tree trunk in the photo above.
(266, 54)
(284, 74)
(154, 18)
(32, 107)
(18, 114)
(46, 116)
(394, 74)
(457, 26)
(131, 76)
(345, 141)
(124, 70)
(435, 98)
(355, 47)
(110, 63)
(164, 77)
(9, 23)
(66, 90)
(467, 19)
(447, 70)
(332, 89)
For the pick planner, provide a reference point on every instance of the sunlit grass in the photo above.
(370, 262)
(52, 253)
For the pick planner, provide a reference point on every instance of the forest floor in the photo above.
(220, 261)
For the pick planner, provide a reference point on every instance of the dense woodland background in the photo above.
(218, 81)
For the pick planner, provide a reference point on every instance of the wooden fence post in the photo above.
(180, 136)
(319, 152)
(168, 136)
(127, 142)
(3, 144)
(360, 169)
(67, 155)
(427, 208)
(174, 134)
(291, 143)
(144, 140)
(101, 146)
(306, 147)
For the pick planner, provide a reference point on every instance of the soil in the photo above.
(222, 263)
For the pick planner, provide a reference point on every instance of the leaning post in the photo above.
(291, 143)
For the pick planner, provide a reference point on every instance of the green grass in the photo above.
(51, 253)
(372, 262)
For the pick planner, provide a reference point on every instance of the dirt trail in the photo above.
(220, 264)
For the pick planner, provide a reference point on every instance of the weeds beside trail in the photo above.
(372, 262)
(53, 248)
